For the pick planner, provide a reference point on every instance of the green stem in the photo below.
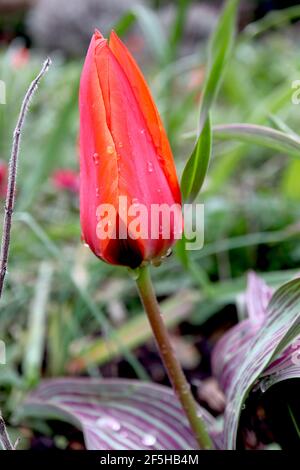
(173, 368)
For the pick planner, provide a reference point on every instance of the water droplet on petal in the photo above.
(97, 192)
(110, 149)
(243, 407)
(150, 167)
(120, 145)
(135, 202)
(108, 422)
(96, 158)
(149, 440)
(142, 131)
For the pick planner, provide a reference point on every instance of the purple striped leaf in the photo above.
(117, 414)
(259, 351)
(286, 366)
(232, 349)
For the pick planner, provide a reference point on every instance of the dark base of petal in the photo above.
(124, 253)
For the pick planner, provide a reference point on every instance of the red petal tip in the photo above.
(97, 34)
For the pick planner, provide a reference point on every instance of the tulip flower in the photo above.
(125, 159)
(130, 201)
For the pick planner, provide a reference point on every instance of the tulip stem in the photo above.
(173, 368)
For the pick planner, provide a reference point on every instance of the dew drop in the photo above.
(135, 202)
(263, 387)
(150, 167)
(149, 440)
(120, 145)
(158, 190)
(97, 192)
(169, 252)
(142, 131)
(108, 422)
(110, 149)
(243, 407)
(96, 158)
(266, 383)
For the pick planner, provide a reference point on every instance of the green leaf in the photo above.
(274, 19)
(124, 24)
(196, 168)
(178, 26)
(290, 182)
(220, 50)
(34, 348)
(225, 166)
(260, 135)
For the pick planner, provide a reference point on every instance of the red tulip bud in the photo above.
(130, 203)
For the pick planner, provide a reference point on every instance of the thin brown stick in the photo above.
(4, 437)
(9, 208)
(13, 163)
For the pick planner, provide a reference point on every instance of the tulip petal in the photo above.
(141, 178)
(149, 110)
(124, 154)
(95, 142)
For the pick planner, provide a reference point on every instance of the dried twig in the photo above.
(11, 186)
(4, 437)
(9, 207)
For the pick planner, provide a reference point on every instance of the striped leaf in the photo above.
(232, 349)
(285, 367)
(257, 348)
(117, 414)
